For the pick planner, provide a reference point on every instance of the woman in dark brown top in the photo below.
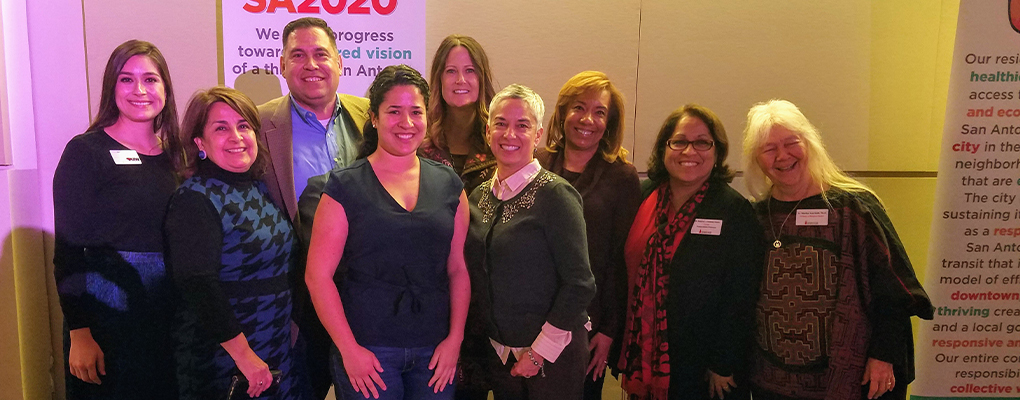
(585, 148)
(460, 91)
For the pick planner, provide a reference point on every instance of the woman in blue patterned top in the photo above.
(229, 252)
(395, 223)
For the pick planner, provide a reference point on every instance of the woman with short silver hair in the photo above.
(527, 237)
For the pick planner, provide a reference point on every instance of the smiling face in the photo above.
(401, 121)
(460, 79)
(513, 134)
(586, 119)
(139, 92)
(688, 166)
(227, 139)
(782, 158)
(312, 69)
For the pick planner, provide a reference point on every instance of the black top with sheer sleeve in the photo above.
(104, 206)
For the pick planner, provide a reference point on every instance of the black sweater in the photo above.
(713, 287)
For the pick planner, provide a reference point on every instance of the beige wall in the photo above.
(725, 55)
(873, 75)
(184, 31)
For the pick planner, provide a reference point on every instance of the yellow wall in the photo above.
(911, 54)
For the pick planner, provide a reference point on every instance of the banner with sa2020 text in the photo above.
(370, 35)
(972, 347)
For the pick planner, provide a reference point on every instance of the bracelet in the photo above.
(541, 367)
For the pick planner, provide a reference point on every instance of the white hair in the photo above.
(525, 94)
(823, 171)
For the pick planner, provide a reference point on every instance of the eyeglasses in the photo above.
(681, 144)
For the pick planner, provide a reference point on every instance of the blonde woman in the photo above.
(585, 147)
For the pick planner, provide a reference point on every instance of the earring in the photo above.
(202, 155)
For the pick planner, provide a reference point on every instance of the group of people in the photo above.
(424, 243)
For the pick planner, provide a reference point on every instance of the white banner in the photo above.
(972, 347)
(371, 34)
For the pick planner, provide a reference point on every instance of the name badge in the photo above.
(125, 157)
(813, 217)
(707, 227)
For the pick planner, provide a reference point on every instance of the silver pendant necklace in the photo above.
(777, 244)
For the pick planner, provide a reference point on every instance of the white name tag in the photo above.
(707, 227)
(125, 157)
(813, 217)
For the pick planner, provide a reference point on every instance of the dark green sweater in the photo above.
(529, 259)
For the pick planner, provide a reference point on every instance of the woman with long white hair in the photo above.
(833, 315)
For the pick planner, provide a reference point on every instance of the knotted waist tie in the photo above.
(409, 295)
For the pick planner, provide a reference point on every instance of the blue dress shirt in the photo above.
(317, 148)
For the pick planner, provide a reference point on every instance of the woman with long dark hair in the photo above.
(460, 92)
(110, 192)
(461, 89)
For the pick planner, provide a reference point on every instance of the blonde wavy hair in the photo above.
(611, 144)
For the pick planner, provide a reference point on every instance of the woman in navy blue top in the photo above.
(395, 225)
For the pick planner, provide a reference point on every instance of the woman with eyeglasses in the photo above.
(693, 259)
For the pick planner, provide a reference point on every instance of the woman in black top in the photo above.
(693, 257)
(108, 260)
(527, 239)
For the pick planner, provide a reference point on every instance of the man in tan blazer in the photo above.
(312, 68)
(309, 132)
(277, 128)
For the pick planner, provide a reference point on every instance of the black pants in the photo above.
(593, 389)
(317, 345)
(564, 379)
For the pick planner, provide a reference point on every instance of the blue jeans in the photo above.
(405, 371)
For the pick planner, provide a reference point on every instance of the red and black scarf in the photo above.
(645, 359)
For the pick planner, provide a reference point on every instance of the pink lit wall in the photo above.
(45, 78)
